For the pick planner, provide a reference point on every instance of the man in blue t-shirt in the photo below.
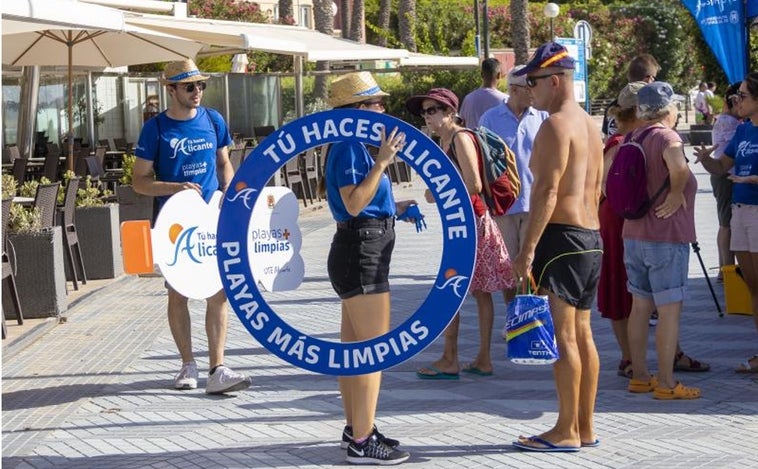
(185, 147)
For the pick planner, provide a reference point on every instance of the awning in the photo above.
(233, 36)
(21, 16)
(424, 60)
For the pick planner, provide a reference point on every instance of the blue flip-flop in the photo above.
(546, 447)
(592, 444)
(438, 374)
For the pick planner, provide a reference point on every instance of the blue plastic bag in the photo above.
(529, 329)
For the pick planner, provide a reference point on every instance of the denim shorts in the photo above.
(360, 255)
(657, 270)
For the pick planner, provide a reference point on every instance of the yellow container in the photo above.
(738, 300)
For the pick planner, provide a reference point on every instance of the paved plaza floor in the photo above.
(96, 391)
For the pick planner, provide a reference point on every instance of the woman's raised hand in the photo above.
(390, 146)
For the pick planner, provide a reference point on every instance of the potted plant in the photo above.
(97, 229)
(40, 271)
(132, 206)
(10, 186)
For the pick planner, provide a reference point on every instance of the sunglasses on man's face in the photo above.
(531, 82)
(190, 87)
(430, 111)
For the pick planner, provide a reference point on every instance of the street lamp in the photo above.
(551, 11)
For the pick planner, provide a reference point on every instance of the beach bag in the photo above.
(529, 329)
(498, 170)
(626, 186)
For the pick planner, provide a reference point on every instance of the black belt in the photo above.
(356, 223)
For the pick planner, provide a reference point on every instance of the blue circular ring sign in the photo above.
(453, 277)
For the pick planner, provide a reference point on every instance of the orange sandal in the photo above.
(640, 386)
(677, 392)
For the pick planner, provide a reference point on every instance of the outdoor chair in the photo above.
(71, 238)
(236, 156)
(51, 168)
(98, 174)
(46, 201)
(293, 177)
(53, 148)
(19, 170)
(105, 142)
(262, 132)
(120, 143)
(9, 276)
(13, 153)
(310, 167)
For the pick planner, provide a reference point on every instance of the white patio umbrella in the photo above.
(48, 35)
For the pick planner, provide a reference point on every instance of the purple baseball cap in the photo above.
(442, 95)
(550, 54)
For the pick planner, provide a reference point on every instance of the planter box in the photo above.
(133, 206)
(700, 134)
(40, 272)
(100, 240)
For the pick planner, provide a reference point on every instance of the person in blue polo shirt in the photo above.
(182, 148)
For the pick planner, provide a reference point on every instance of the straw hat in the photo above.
(353, 88)
(183, 71)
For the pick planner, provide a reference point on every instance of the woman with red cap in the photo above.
(492, 272)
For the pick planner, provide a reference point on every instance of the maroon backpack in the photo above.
(626, 186)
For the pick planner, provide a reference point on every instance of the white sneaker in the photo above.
(187, 377)
(226, 380)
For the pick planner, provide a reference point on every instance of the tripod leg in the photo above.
(696, 249)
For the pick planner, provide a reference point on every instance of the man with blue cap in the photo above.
(562, 247)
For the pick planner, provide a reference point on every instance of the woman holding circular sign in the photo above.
(492, 271)
(360, 199)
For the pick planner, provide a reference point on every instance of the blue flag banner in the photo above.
(722, 23)
(752, 8)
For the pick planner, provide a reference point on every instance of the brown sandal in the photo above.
(690, 364)
(625, 369)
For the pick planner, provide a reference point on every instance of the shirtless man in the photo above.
(562, 247)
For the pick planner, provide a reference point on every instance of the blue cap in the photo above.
(550, 54)
(654, 96)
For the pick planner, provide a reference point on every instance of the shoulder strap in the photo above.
(486, 190)
(639, 138)
(158, 153)
(213, 124)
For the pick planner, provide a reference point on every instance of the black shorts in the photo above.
(359, 259)
(567, 262)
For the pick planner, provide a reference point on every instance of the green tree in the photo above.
(520, 29)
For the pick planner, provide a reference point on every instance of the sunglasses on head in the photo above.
(531, 82)
(430, 111)
(190, 87)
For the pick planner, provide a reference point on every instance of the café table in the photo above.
(27, 201)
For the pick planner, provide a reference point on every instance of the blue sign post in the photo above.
(577, 51)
